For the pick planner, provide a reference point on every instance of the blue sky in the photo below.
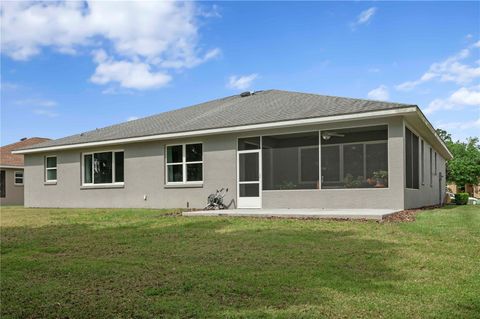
(72, 67)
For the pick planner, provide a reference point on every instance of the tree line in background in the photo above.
(464, 168)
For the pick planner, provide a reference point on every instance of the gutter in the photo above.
(234, 129)
(11, 166)
(430, 126)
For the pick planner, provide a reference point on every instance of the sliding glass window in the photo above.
(103, 168)
(290, 161)
(355, 157)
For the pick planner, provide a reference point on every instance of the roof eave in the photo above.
(12, 166)
(445, 149)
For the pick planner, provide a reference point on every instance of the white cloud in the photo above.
(146, 36)
(42, 107)
(438, 104)
(132, 118)
(241, 82)
(364, 17)
(213, 12)
(462, 97)
(7, 86)
(459, 125)
(449, 70)
(380, 93)
(45, 112)
(131, 75)
(461, 130)
(36, 102)
(465, 96)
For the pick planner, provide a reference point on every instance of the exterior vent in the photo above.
(245, 94)
(23, 139)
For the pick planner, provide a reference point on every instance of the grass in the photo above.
(84, 263)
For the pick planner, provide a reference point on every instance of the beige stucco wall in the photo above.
(144, 171)
(427, 195)
(145, 175)
(14, 193)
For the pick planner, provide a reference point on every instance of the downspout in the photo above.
(440, 177)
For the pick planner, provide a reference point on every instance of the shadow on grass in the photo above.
(191, 268)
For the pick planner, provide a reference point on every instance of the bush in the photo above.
(461, 198)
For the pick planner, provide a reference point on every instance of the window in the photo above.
(290, 161)
(435, 171)
(2, 184)
(18, 176)
(51, 169)
(355, 157)
(431, 167)
(411, 158)
(103, 168)
(184, 163)
(249, 143)
(422, 159)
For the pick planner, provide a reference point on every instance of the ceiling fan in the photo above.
(327, 135)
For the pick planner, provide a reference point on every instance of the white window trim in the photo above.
(113, 168)
(50, 168)
(15, 178)
(184, 165)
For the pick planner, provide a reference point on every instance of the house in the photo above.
(271, 149)
(11, 171)
(471, 189)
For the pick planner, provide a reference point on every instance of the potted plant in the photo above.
(381, 178)
(351, 182)
(371, 181)
(347, 180)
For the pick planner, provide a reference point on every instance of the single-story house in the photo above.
(271, 149)
(11, 171)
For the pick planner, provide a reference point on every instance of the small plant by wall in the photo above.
(461, 198)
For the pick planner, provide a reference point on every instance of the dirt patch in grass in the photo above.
(407, 215)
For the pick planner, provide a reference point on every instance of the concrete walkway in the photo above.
(375, 214)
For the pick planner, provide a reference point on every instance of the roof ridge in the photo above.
(26, 140)
(345, 97)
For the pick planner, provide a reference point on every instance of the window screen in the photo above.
(411, 158)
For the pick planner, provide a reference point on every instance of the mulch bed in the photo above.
(408, 215)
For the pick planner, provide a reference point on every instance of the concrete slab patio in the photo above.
(374, 214)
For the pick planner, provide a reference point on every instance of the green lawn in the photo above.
(86, 263)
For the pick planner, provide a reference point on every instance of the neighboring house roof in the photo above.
(9, 159)
(260, 107)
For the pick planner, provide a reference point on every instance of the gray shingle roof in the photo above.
(261, 107)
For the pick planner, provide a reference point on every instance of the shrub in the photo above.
(461, 198)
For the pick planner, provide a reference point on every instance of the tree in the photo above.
(464, 168)
(444, 135)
